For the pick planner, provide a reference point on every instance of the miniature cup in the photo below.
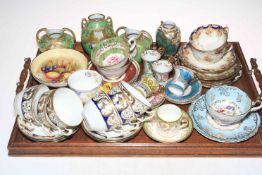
(169, 118)
(183, 77)
(228, 105)
(149, 56)
(85, 83)
(161, 69)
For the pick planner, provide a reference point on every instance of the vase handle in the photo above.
(120, 28)
(38, 33)
(83, 23)
(71, 32)
(109, 20)
(146, 34)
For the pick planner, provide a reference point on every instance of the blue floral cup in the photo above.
(182, 78)
(229, 105)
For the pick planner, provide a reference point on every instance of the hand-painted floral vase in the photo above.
(95, 29)
(168, 37)
(55, 38)
(142, 39)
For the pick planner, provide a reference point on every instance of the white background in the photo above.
(19, 21)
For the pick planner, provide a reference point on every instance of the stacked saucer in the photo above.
(48, 115)
(211, 57)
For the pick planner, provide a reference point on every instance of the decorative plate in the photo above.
(207, 127)
(53, 67)
(130, 76)
(191, 92)
(154, 132)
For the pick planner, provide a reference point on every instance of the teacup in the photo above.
(148, 57)
(137, 101)
(64, 109)
(228, 105)
(85, 83)
(209, 43)
(101, 114)
(181, 80)
(169, 118)
(161, 69)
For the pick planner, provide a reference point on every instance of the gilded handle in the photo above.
(109, 20)
(184, 123)
(120, 28)
(38, 33)
(257, 105)
(83, 23)
(161, 50)
(146, 34)
(71, 32)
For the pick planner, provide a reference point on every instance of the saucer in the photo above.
(157, 134)
(42, 133)
(156, 100)
(188, 59)
(191, 92)
(205, 125)
(130, 76)
(128, 132)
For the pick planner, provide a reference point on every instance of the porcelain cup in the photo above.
(228, 105)
(169, 118)
(64, 109)
(85, 83)
(182, 78)
(161, 69)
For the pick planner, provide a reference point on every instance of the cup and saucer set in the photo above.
(226, 114)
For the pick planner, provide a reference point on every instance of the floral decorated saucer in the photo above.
(130, 76)
(207, 127)
(191, 92)
(152, 129)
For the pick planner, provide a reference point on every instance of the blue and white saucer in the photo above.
(191, 92)
(207, 127)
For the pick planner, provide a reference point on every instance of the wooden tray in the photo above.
(196, 145)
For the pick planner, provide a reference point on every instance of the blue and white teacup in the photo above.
(229, 105)
(182, 78)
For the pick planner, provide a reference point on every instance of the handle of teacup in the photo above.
(66, 132)
(149, 115)
(83, 23)
(120, 28)
(226, 29)
(184, 122)
(38, 33)
(71, 32)
(146, 34)
(161, 50)
(109, 20)
(256, 105)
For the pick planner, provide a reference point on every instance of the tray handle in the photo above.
(257, 74)
(23, 75)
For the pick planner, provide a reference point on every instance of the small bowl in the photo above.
(53, 67)
(228, 105)
(111, 53)
(85, 83)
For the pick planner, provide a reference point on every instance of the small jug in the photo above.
(142, 39)
(55, 38)
(95, 29)
(168, 37)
